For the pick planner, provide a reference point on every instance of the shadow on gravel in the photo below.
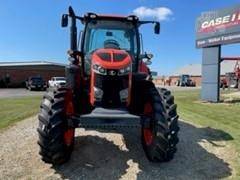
(97, 158)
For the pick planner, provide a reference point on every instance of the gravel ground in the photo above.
(202, 154)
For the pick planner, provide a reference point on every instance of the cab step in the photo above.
(107, 118)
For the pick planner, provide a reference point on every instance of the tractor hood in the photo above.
(111, 58)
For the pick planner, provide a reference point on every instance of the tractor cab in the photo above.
(109, 34)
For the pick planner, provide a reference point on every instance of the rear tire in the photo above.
(160, 125)
(53, 128)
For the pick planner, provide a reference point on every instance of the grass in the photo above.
(13, 110)
(225, 117)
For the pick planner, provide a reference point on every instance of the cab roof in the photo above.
(93, 16)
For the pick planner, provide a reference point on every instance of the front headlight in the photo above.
(98, 69)
(124, 71)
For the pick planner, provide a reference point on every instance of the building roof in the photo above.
(30, 63)
(196, 69)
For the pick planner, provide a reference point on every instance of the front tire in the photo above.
(56, 139)
(160, 125)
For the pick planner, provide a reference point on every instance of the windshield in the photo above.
(109, 34)
(60, 79)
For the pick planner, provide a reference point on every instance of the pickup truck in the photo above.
(36, 83)
(57, 82)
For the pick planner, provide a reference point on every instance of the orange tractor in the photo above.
(107, 86)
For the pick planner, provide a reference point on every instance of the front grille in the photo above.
(37, 83)
(111, 86)
(62, 83)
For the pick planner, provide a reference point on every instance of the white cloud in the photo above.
(159, 13)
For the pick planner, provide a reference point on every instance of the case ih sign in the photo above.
(218, 27)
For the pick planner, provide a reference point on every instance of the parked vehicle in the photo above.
(57, 82)
(107, 87)
(185, 80)
(232, 80)
(223, 83)
(35, 83)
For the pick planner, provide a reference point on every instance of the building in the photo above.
(195, 71)
(18, 72)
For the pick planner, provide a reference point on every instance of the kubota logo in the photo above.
(220, 22)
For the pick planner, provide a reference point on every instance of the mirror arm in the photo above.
(147, 22)
(157, 24)
(71, 14)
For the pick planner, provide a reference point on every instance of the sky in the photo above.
(30, 30)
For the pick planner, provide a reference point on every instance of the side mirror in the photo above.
(149, 56)
(157, 28)
(64, 22)
(146, 58)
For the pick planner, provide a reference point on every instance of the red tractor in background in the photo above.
(107, 86)
(232, 79)
(237, 73)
